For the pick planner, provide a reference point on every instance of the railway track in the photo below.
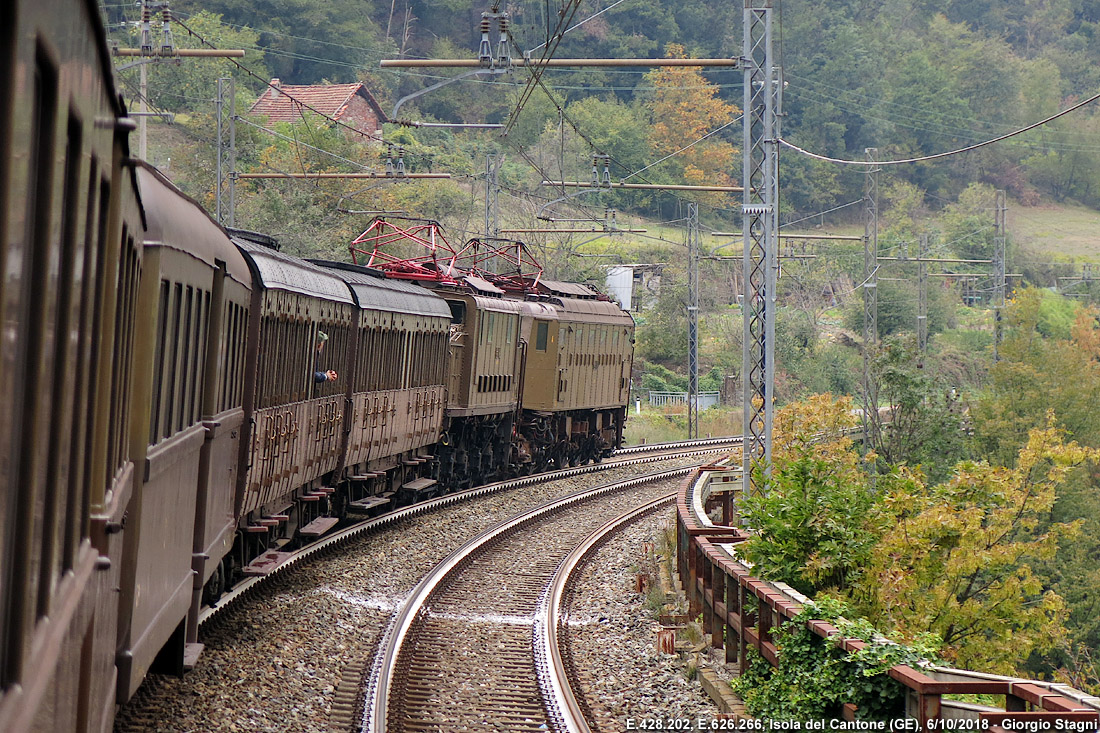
(302, 638)
(476, 645)
(630, 456)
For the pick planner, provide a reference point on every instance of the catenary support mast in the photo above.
(693, 321)
(760, 226)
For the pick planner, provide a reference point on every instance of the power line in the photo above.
(670, 155)
(550, 47)
(268, 84)
(578, 25)
(938, 156)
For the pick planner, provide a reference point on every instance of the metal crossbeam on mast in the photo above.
(642, 186)
(693, 321)
(555, 63)
(345, 176)
(760, 224)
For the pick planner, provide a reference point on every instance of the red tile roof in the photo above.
(287, 103)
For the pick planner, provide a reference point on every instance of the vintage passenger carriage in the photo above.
(185, 424)
(70, 260)
(293, 431)
(395, 376)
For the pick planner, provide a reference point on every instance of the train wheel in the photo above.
(215, 586)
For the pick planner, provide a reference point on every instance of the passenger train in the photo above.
(169, 420)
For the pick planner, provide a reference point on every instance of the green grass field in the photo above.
(1066, 231)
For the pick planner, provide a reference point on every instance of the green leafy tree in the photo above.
(814, 528)
(957, 559)
(190, 84)
(306, 42)
(925, 424)
(898, 306)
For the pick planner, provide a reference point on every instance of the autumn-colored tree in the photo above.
(965, 560)
(685, 108)
(957, 559)
(1049, 360)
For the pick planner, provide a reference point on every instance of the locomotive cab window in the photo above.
(542, 329)
(458, 311)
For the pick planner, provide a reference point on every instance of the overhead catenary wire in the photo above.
(578, 25)
(536, 80)
(536, 70)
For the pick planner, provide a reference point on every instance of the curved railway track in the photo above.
(634, 455)
(303, 637)
(475, 645)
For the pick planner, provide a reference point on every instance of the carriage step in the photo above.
(369, 502)
(318, 526)
(367, 476)
(191, 654)
(419, 485)
(265, 563)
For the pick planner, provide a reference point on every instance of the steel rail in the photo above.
(239, 591)
(556, 683)
(382, 672)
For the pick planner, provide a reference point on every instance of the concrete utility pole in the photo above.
(760, 224)
(870, 297)
(999, 286)
(693, 321)
(922, 298)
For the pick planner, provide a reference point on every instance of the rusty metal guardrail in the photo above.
(740, 612)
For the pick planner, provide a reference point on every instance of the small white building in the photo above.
(636, 286)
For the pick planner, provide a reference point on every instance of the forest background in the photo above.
(904, 77)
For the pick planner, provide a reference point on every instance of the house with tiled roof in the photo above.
(350, 104)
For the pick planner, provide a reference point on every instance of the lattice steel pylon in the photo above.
(225, 185)
(693, 321)
(999, 285)
(760, 224)
(870, 299)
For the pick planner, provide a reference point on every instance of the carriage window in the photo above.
(542, 329)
